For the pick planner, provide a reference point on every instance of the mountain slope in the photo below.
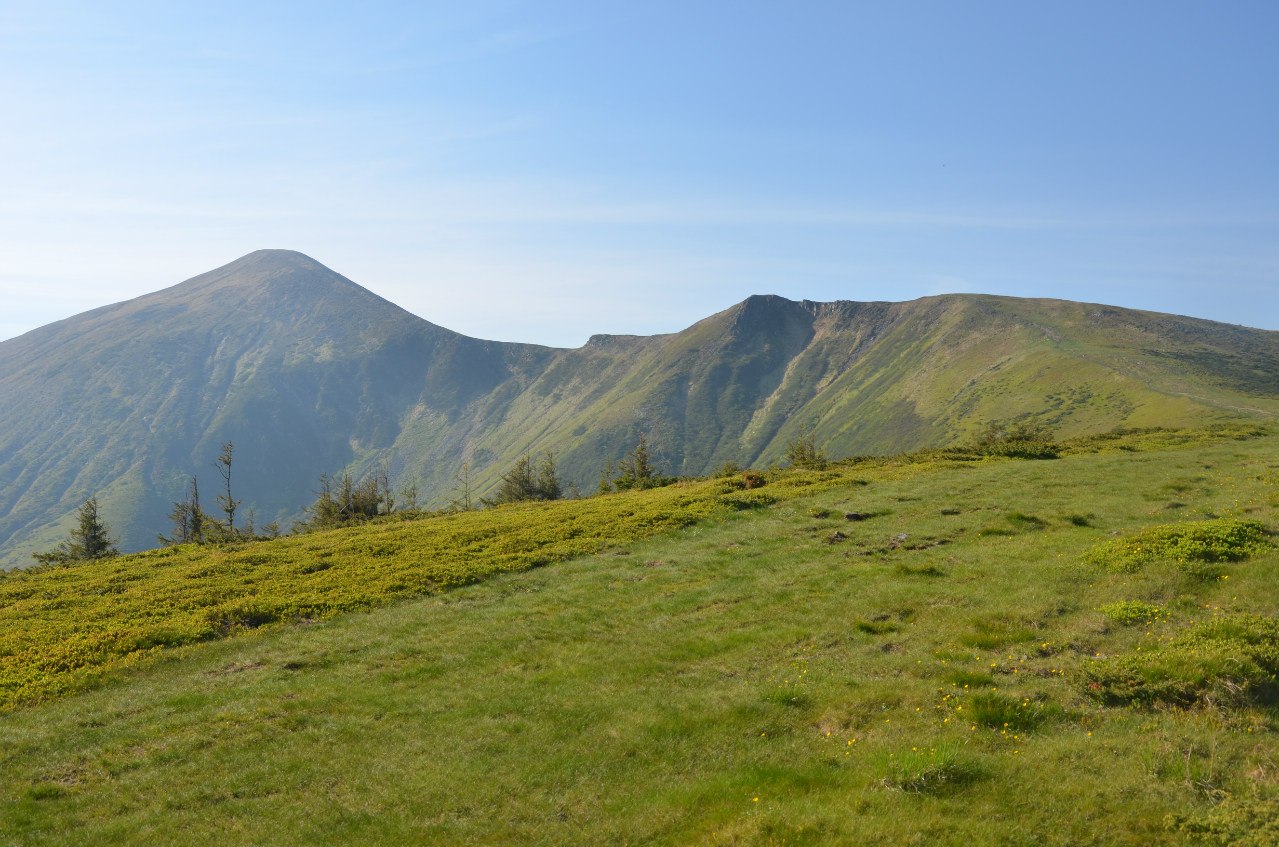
(300, 367)
(309, 373)
(746, 681)
(885, 377)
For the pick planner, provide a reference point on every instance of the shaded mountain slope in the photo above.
(300, 367)
(309, 373)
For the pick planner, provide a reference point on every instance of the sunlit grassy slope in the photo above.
(908, 651)
(874, 378)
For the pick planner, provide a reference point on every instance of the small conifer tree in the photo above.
(635, 470)
(548, 481)
(325, 511)
(91, 539)
(465, 499)
(606, 479)
(342, 501)
(526, 481)
(409, 494)
(188, 520)
(802, 451)
(225, 500)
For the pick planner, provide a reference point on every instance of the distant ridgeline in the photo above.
(309, 374)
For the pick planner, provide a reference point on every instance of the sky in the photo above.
(543, 171)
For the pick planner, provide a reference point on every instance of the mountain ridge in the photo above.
(308, 372)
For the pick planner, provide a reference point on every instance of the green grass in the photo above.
(724, 677)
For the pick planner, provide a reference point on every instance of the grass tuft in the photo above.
(993, 631)
(877, 627)
(1001, 711)
(961, 678)
(1021, 520)
(936, 769)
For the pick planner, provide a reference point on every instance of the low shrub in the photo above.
(161, 638)
(1234, 822)
(1226, 661)
(747, 500)
(1016, 439)
(1190, 545)
(1133, 612)
(243, 616)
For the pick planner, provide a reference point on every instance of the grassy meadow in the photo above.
(933, 649)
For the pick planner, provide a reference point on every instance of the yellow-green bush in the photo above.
(1133, 612)
(1236, 821)
(1223, 661)
(1190, 545)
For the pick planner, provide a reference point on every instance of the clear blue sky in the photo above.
(542, 171)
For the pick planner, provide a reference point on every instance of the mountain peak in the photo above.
(277, 257)
(759, 310)
(281, 293)
(765, 300)
(261, 265)
(275, 282)
(757, 303)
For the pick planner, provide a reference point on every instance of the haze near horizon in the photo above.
(538, 173)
